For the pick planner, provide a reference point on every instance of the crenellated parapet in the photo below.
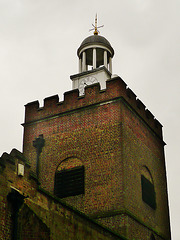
(13, 159)
(116, 88)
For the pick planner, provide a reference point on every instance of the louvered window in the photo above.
(148, 193)
(69, 182)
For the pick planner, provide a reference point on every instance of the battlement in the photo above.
(115, 88)
(11, 158)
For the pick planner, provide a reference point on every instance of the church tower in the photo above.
(101, 150)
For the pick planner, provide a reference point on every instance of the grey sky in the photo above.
(38, 44)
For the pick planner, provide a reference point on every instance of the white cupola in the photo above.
(95, 61)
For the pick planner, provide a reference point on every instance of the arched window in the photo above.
(69, 178)
(148, 191)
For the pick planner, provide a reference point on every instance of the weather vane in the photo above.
(95, 28)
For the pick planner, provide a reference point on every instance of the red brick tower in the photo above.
(100, 150)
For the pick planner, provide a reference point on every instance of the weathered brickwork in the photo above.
(130, 227)
(31, 226)
(95, 144)
(5, 218)
(9, 180)
(41, 216)
(142, 148)
(115, 88)
(61, 223)
(114, 137)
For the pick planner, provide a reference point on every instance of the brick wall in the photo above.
(114, 136)
(143, 148)
(41, 216)
(31, 226)
(55, 221)
(91, 135)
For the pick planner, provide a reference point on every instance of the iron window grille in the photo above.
(69, 182)
(148, 192)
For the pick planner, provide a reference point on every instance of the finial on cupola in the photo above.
(95, 27)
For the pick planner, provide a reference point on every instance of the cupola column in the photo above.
(105, 59)
(110, 65)
(80, 65)
(84, 61)
(94, 58)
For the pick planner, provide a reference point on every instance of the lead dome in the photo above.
(96, 39)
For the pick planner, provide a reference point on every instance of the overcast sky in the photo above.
(38, 44)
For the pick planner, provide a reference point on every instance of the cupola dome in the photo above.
(96, 40)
